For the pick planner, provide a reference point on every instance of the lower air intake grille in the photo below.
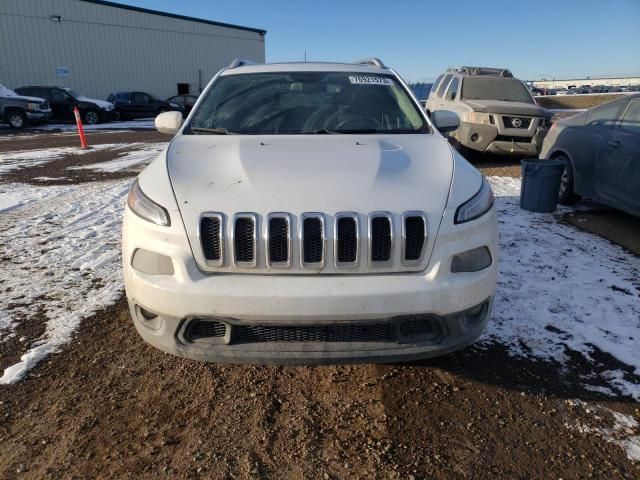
(415, 237)
(347, 240)
(381, 332)
(244, 233)
(278, 240)
(380, 239)
(312, 242)
(198, 329)
(403, 329)
(211, 239)
(419, 328)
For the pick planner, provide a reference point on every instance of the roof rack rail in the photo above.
(240, 62)
(477, 71)
(373, 61)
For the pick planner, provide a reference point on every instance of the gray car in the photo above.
(601, 148)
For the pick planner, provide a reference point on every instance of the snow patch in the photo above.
(625, 431)
(10, 161)
(561, 288)
(130, 159)
(64, 251)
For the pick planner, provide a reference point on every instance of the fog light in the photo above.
(152, 263)
(147, 315)
(474, 137)
(471, 260)
(147, 319)
(474, 316)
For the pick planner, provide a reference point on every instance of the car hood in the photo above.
(100, 103)
(303, 173)
(502, 107)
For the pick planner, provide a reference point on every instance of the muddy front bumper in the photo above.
(488, 138)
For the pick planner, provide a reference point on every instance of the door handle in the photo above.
(614, 143)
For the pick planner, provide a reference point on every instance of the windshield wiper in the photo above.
(319, 131)
(361, 130)
(210, 131)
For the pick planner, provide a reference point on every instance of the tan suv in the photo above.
(497, 112)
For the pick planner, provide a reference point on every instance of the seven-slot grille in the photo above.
(211, 236)
(312, 239)
(415, 234)
(278, 239)
(380, 238)
(516, 122)
(275, 245)
(244, 239)
(346, 238)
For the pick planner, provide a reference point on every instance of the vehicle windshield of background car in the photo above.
(307, 103)
(505, 89)
(7, 92)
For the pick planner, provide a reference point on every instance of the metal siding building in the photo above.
(98, 47)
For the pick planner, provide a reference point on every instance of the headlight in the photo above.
(174, 105)
(33, 106)
(477, 205)
(107, 107)
(146, 208)
(481, 118)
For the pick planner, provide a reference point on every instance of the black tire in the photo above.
(91, 117)
(16, 119)
(566, 196)
(117, 116)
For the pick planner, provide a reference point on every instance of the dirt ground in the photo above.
(110, 406)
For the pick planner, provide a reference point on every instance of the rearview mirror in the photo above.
(169, 122)
(445, 121)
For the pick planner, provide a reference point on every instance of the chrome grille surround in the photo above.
(336, 240)
(324, 242)
(267, 240)
(254, 244)
(323, 239)
(220, 218)
(405, 216)
(379, 263)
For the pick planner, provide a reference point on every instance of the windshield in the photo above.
(72, 93)
(495, 88)
(306, 103)
(6, 92)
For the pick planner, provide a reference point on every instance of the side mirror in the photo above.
(169, 122)
(445, 121)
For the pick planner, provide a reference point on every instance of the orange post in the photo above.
(83, 139)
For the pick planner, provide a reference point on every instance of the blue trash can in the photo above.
(540, 184)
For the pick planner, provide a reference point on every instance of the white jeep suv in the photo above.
(309, 213)
(497, 112)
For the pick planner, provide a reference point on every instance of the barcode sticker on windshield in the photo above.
(369, 80)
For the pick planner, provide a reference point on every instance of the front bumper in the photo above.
(38, 116)
(280, 300)
(487, 138)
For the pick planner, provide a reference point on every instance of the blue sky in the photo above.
(535, 39)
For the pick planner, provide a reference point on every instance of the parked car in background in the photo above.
(497, 112)
(601, 150)
(19, 111)
(185, 101)
(141, 105)
(64, 100)
(235, 251)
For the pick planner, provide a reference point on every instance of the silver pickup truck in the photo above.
(19, 111)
